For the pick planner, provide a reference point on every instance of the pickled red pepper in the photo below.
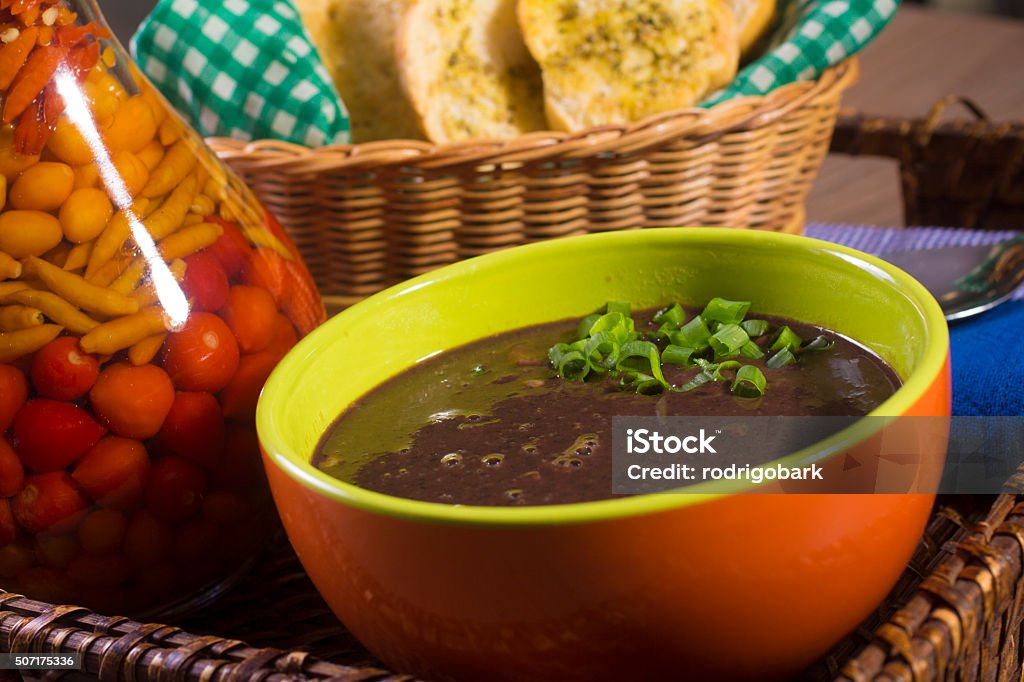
(125, 430)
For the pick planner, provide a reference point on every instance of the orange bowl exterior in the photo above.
(741, 586)
(665, 595)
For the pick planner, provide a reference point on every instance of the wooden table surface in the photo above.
(922, 56)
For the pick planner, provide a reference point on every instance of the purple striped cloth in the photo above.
(878, 240)
(985, 382)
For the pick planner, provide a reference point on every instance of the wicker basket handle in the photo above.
(965, 172)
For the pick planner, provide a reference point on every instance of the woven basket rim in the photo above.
(702, 124)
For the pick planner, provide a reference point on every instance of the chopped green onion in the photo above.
(820, 343)
(781, 359)
(725, 311)
(660, 335)
(602, 351)
(705, 365)
(749, 382)
(617, 307)
(607, 322)
(646, 351)
(724, 367)
(785, 338)
(678, 355)
(751, 350)
(755, 328)
(478, 370)
(672, 316)
(620, 327)
(693, 334)
(610, 343)
(642, 383)
(652, 387)
(583, 328)
(570, 364)
(698, 380)
(633, 363)
(728, 340)
(630, 378)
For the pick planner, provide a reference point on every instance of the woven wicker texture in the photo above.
(964, 616)
(963, 173)
(369, 215)
(964, 620)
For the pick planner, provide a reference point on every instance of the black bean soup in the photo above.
(493, 424)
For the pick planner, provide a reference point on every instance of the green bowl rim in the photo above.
(299, 468)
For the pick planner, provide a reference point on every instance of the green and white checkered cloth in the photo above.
(241, 68)
(808, 37)
(247, 68)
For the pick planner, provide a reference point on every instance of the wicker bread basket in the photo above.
(964, 172)
(366, 216)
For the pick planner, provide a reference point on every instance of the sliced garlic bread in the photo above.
(467, 72)
(612, 61)
(752, 20)
(356, 40)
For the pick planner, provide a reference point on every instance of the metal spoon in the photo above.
(966, 280)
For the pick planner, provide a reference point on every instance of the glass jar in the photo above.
(145, 295)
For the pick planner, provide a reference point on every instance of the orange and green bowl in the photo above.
(667, 586)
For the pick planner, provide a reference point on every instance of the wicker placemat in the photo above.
(291, 635)
(296, 617)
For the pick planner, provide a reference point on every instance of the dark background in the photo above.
(124, 15)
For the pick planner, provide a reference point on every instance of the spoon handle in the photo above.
(1010, 261)
(1004, 261)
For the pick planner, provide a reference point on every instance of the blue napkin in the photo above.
(985, 381)
(988, 362)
